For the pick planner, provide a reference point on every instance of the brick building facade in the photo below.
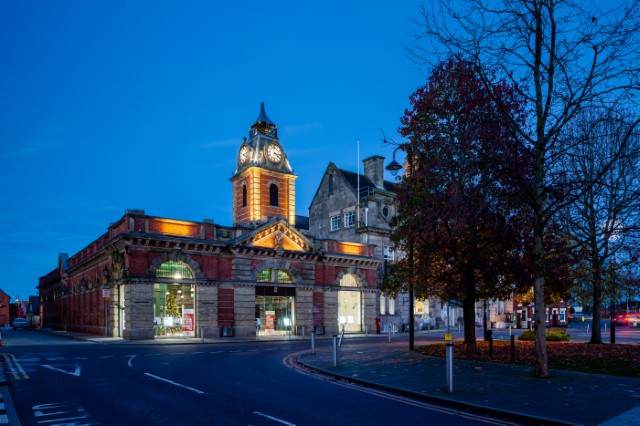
(149, 277)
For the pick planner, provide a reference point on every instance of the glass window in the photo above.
(173, 269)
(383, 309)
(392, 306)
(335, 222)
(244, 195)
(275, 276)
(389, 253)
(349, 219)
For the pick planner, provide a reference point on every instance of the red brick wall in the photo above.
(225, 307)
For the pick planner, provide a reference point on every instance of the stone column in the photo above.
(304, 310)
(207, 309)
(138, 311)
(245, 310)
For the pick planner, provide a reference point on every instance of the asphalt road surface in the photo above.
(60, 381)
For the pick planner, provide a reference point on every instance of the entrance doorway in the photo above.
(174, 296)
(275, 310)
(350, 305)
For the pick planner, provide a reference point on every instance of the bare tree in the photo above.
(604, 219)
(561, 55)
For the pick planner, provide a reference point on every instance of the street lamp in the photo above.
(394, 167)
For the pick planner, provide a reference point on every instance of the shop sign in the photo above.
(270, 322)
(188, 323)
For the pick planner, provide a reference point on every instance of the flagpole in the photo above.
(358, 194)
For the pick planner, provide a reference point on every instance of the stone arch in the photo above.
(277, 264)
(360, 279)
(176, 256)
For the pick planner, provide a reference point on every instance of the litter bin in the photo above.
(488, 335)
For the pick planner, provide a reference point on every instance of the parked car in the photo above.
(20, 323)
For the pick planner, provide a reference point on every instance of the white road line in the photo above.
(76, 370)
(131, 357)
(58, 358)
(174, 383)
(195, 353)
(275, 419)
(216, 352)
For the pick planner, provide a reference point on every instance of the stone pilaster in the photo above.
(138, 311)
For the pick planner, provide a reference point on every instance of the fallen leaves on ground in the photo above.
(616, 359)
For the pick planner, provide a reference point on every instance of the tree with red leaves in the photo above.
(460, 212)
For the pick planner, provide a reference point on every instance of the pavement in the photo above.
(564, 398)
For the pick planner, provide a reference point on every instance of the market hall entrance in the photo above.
(350, 305)
(275, 304)
(174, 295)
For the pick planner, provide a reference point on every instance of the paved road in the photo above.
(58, 381)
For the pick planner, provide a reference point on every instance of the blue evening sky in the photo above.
(115, 105)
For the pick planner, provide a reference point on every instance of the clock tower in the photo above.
(263, 185)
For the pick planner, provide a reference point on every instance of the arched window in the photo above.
(273, 194)
(244, 195)
(173, 269)
(275, 276)
(348, 280)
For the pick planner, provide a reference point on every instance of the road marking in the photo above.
(275, 419)
(173, 383)
(58, 411)
(14, 367)
(131, 357)
(76, 371)
(195, 353)
(58, 358)
(216, 352)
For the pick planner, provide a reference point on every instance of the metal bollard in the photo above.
(201, 334)
(303, 331)
(513, 348)
(335, 350)
(313, 342)
(389, 330)
(450, 366)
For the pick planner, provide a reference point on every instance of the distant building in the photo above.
(149, 277)
(349, 206)
(5, 315)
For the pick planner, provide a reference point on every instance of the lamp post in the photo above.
(106, 292)
(394, 167)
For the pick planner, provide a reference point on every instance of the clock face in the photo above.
(244, 154)
(274, 153)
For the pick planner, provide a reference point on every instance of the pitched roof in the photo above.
(365, 182)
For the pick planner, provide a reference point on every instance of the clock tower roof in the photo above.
(263, 124)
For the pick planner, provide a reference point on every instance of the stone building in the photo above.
(356, 207)
(149, 277)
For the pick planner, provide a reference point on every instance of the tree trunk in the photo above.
(541, 364)
(469, 312)
(596, 332)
